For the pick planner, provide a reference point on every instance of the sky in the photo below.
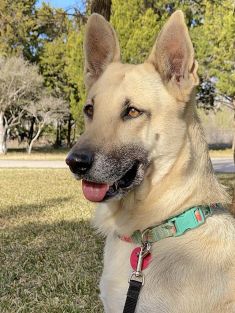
(65, 4)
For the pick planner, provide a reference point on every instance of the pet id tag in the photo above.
(135, 257)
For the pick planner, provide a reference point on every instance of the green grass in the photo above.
(51, 259)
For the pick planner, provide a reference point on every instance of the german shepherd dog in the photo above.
(143, 157)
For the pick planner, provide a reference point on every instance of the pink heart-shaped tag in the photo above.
(134, 259)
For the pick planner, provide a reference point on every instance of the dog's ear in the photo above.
(173, 57)
(101, 47)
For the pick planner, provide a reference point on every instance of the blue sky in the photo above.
(65, 4)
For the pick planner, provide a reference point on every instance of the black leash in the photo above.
(136, 280)
(132, 296)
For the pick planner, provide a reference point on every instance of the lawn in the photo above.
(51, 259)
(41, 153)
(221, 153)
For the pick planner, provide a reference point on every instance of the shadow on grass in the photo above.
(22, 210)
(220, 146)
(227, 179)
(42, 149)
(51, 268)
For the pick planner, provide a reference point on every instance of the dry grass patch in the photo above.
(223, 153)
(228, 180)
(50, 256)
(37, 154)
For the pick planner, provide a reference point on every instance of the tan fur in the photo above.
(194, 273)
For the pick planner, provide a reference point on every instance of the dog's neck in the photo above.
(168, 189)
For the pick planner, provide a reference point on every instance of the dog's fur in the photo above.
(193, 273)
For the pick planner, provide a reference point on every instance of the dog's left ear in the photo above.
(173, 57)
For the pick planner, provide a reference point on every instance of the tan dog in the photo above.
(143, 156)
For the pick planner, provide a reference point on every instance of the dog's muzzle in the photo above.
(108, 175)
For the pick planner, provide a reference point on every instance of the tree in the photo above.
(46, 111)
(20, 83)
(53, 40)
(215, 47)
(206, 95)
(61, 64)
(52, 64)
(136, 27)
(17, 23)
(102, 7)
(138, 22)
(74, 60)
(24, 28)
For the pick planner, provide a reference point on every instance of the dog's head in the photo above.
(134, 114)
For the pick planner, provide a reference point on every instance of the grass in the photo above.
(222, 119)
(221, 153)
(51, 259)
(50, 256)
(227, 179)
(37, 154)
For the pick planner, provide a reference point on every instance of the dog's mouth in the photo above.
(98, 192)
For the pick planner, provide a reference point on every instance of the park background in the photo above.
(51, 259)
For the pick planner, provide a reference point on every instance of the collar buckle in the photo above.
(190, 219)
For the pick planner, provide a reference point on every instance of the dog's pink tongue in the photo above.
(93, 191)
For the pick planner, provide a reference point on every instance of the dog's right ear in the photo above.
(101, 47)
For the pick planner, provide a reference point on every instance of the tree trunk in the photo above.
(102, 7)
(3, 135)
(233, 147)
(35, 138)
(31, 130)
(58, 141)
(233, 202)
(69, 132)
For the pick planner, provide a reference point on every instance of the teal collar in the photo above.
(174, 226)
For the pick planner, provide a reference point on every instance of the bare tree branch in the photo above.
(46, 111)
(19, 84)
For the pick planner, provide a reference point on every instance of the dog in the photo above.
(144, 159)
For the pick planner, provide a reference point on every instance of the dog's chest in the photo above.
(116, 273)
(170, 278)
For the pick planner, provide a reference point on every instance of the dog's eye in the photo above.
(89, 110)
(133, 112)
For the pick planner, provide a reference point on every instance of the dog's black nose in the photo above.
(80, 162)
